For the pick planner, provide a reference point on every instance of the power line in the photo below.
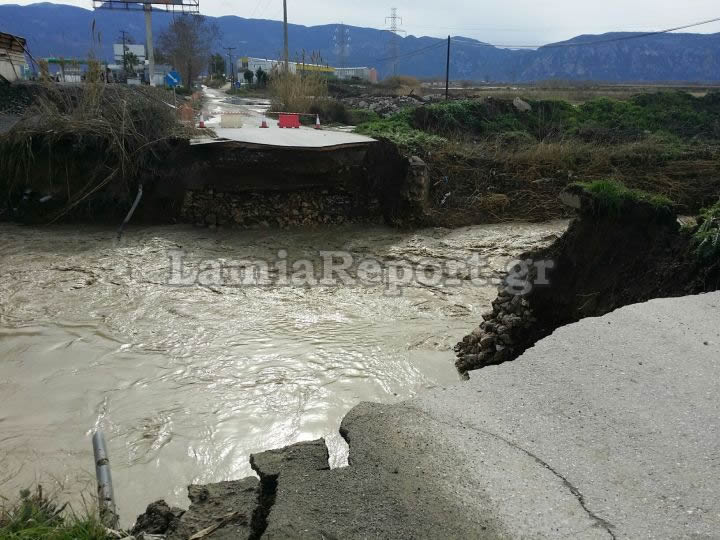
(586, 43)
(411, 53)
(252, 13)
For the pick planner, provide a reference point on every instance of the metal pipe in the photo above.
(132, 209)
(106, 496)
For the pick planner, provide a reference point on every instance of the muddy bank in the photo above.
(605, 260)
(220, 184)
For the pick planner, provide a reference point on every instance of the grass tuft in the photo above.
(707, 237)
(612, 195)
(37, 517)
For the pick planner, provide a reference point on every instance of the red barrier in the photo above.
(287, 120)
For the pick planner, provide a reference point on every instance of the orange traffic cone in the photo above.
(201, 125)
(264, 124)
(317, 122)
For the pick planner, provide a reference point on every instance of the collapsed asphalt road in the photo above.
(606, 429)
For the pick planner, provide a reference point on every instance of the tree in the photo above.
(261, 77)
(249, 76)
(217, 66)
(131, 60)
(187, 44)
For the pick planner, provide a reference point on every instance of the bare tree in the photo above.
(187, 44)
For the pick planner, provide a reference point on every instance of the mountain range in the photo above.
(62, 30)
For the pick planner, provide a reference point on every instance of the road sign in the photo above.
(172, 79)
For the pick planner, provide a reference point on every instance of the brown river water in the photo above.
(187, 382)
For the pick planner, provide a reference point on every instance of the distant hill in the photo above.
(60, 30)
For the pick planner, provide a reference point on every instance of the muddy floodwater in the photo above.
(187, 381)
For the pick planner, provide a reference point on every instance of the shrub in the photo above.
(330, 111)
(362, 116)
(707, 236)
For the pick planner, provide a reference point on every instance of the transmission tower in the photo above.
(341, 41)
(392, 22)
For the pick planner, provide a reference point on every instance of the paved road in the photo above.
(252, 112)
(609, 428)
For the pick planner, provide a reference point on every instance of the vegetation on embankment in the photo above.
(35, 516)
(73, 143)
(493, 160)
(610, 197)
(707, 235)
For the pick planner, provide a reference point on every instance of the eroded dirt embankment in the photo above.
(605, 260)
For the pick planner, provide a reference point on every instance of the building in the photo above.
(246, 63)
(12, 57)
(137, 50)
(361, 73)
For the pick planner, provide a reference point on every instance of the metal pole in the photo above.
(447, 72)
(124, 53)
(232, 66)
(149, 38)
(106, 497)
(287, 47)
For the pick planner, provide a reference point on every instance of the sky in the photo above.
(511, 22)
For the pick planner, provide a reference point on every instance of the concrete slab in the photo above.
(609, 428)
(286, 138)
(622, 410)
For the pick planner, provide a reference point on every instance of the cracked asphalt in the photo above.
(606, 429)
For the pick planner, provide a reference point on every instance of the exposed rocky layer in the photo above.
(284, 209)
(605, 260)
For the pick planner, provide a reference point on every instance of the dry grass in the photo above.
(575, 94)
(490, 181)
(76, 141)
(298, 92)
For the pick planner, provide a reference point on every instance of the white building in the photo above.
(12, 57)
(246, 63)
(131, 48)
(362, 73)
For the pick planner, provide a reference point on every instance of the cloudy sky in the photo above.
(511, 22)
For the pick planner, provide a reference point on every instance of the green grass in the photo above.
(672, 115)
(397, 129)
(707, 236)
(36, 517)
(611, 196)
(362, 116)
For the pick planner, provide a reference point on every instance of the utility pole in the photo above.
(232, 67)
(149, 39)
(447, 73)
(394, 31)
(124, 51)
(285, 29)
